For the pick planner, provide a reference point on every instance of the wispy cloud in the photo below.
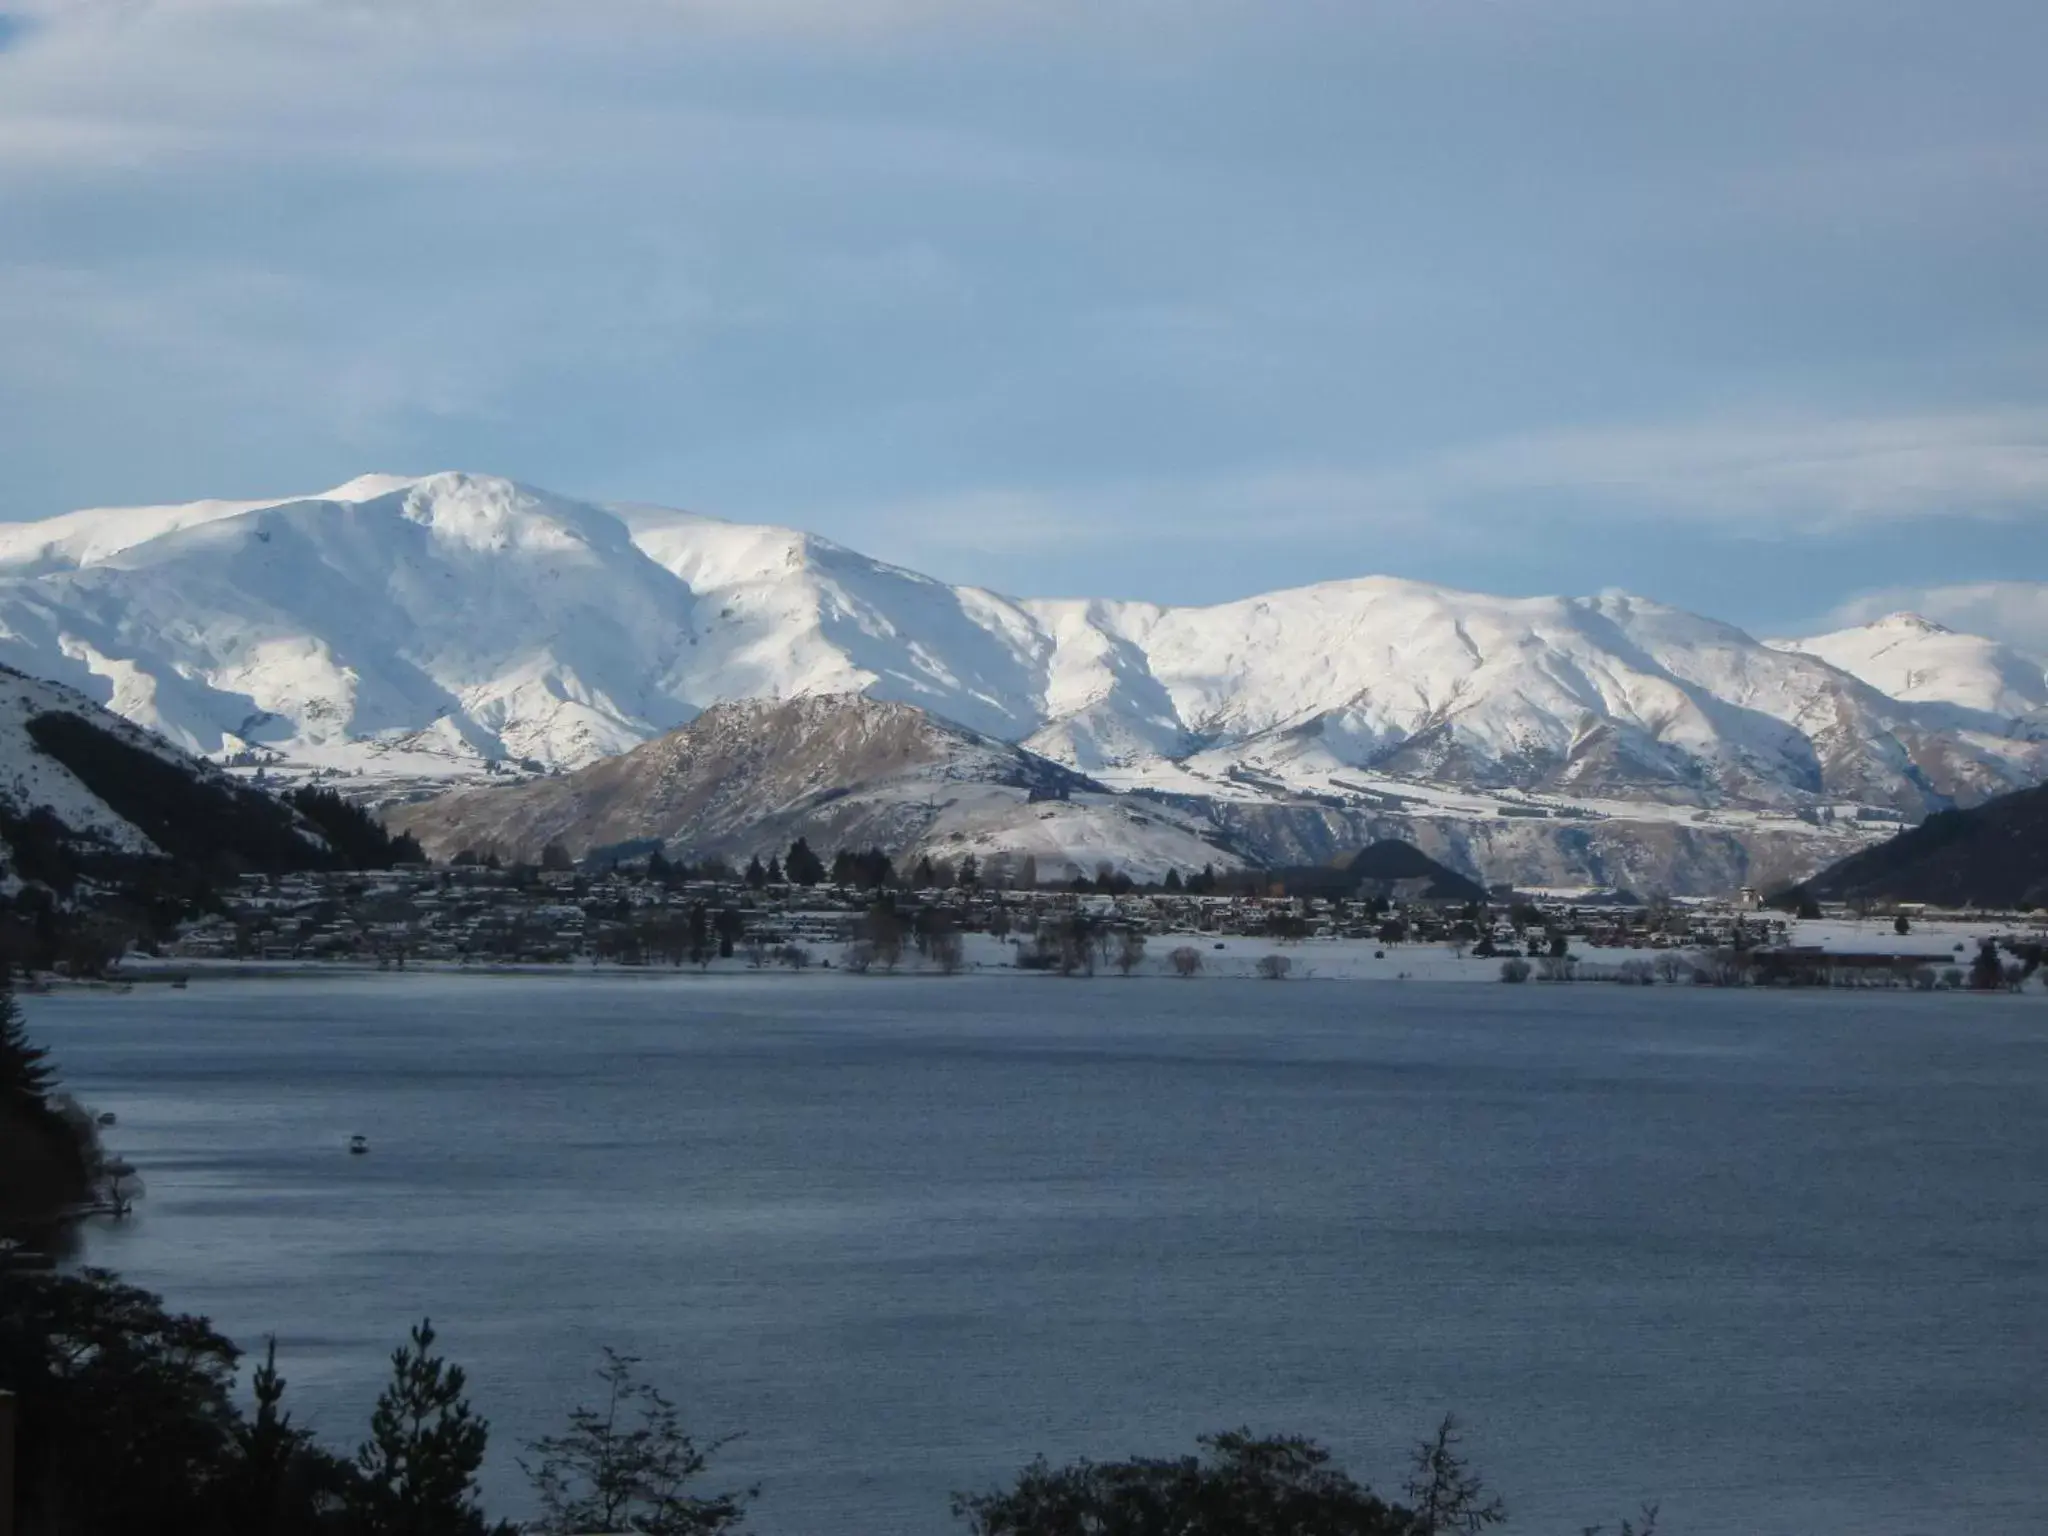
(2013, 611)
(1781, 477)
(1777, 479)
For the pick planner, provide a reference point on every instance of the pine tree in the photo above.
(756, 876)
(268, 1441)
(774, 870)
(730, 928)
(26, 1079)
(803, 866)
(925, 874)
(1172, 881)
(418, 1468)
(284, 1482)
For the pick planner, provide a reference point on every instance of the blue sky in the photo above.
(1740, 305)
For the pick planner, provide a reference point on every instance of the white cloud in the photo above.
(1757, 479)
(1774, 476)
(2013, 611)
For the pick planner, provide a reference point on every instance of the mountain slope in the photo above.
(1919, 661)
(83, 791)
(1992, 855)
(840, 770)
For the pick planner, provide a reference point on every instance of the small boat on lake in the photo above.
(107, 1118)
(358, 1145)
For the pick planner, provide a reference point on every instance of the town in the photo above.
(858, 914)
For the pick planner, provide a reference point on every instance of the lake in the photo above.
(1778, 1261)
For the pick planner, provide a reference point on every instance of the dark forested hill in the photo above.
(1389, 867)
(1993, 855)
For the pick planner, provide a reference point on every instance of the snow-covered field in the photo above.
(1223, 959)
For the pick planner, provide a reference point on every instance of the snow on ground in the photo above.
(1223, 959)
(1137, 838)
(1933, 938)
(32, 779)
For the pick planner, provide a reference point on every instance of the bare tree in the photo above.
(1130, 951)
(1670, 967)
(1274, 967)
(1723, 968)
(1186, 960)
(628, 1465)
(945, 951)
(882, 930)
(1447, 1496)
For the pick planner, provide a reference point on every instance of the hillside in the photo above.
(1992, 855)
(840, 770)
(84, 793)
(1919, 661)
(1389, 868)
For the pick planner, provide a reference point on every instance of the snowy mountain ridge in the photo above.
(1917, 660)
(429, 626)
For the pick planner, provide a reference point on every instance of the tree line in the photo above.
(867, 869)
(130, 1424)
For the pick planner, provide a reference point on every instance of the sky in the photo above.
(1742, 306)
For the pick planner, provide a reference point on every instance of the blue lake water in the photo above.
(1777, 1261)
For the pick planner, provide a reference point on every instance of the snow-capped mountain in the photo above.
(431, 626)
(1919, 661)
(847, 771)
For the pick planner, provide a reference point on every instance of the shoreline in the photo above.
(1232, 958)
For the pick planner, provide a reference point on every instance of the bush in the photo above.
(1514, 970)
(1274, 967)
(1238, 1485)
(1670, 968)
(1186, 961)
